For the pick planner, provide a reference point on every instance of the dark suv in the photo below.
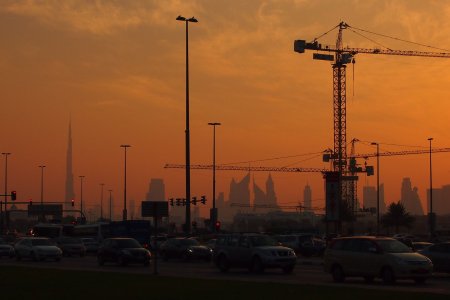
(122, 251)
(253, 251)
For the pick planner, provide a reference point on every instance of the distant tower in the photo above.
(156, 190)
(410, 198)
(70, 194)
(270, 192)
(307, 197)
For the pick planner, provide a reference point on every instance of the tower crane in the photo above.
(340, 57)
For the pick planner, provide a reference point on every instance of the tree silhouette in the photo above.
(397, 217)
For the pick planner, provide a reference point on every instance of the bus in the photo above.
(140, 230)
(52, 231)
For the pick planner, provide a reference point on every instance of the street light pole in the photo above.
(6, 190)
(214, 214)
(110, 205)
(42, 192)
(188, 162)
(101, 202)
(378, 187)
(124, 214)
(431, 217)
(81, 194)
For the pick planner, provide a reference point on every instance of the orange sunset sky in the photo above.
(117, 69)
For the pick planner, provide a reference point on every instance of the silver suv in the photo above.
(253, 251)
(371, 257)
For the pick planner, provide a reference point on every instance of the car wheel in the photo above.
(223, 264)
(387, 275)
(100, 261)
(288, 269)
(121, 261)
(338, 274)
(369, 279)
(420, 280)
(257, 265)
(34, 256)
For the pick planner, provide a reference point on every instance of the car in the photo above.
(211, 243)
(90, 244)
(122, 251)
(416, 246)
(6, 249)
(184, 248)
(37, 248)
(156, 242)
(370, 257)
(71, 246)
(440, 256)
(303, 244)
(253, 251)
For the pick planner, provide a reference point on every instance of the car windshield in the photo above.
(393, 246)
(41, 242)
(128, 243)
(262, 240)
(189, 242)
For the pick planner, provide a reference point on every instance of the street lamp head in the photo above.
(192, 20)
(214, 123)
(125, 146)
(430, 139)
(374, 144)
(180, 18)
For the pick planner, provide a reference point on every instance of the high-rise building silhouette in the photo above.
(307, 198)
(69, 191)
(156, 190)
(271, 197)
(410, 198)
(260, 196)
(240, 191)
(441, 200)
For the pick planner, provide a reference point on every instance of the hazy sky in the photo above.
(117, 69)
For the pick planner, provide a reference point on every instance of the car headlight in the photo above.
(292, 253)
(190, 250)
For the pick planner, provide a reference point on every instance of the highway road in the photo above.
(307, 271)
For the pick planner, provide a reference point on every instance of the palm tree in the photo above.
(397, 217)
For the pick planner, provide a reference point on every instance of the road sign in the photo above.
(155, 209)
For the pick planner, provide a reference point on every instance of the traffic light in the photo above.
(194, 200)
(183, 201)
(73, 202)
(171, 201)
(31, 202)
(203, 200)
(13, 195)
(217, 225)
(178, 201)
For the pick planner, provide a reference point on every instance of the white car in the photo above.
(37, 249)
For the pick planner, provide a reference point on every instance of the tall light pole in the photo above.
(42, 192)
(431, 217)
(124, 214)
(188, 159)
(214, 214)
(6, 189)
(81, 194)
(378, 186)
(110, 205)
(42, 184)
(101, 202)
